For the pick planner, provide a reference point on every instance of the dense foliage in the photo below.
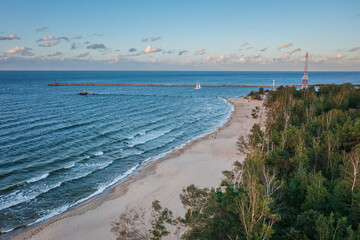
(301, 176)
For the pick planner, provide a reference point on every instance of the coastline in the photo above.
(162, 179)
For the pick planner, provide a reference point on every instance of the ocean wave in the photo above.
(17, 196)
(35, 179)
(100, 190)
(141, 139)
(130, 151)
(146, 139)
(71, 165)
(20, 196)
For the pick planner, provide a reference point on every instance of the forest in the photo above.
(300, 178)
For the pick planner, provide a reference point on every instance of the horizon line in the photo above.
(66, 70)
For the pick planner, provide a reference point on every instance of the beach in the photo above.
(200, 162)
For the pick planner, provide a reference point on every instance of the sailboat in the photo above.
(197, 86)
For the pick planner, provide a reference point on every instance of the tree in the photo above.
(161, 217)
(195, 202)
(351, 170)
(130, 225)
(316, 193)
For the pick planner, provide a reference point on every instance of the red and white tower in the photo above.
(305, 78)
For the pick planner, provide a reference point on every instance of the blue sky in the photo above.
(179, 35)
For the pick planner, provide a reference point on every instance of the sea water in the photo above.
(59, 149)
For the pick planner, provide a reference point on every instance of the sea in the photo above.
(59, 149)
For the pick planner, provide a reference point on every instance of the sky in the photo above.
(220, 35)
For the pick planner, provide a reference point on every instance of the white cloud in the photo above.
(23, 51)
(339, 56)
(95, 46)
(63, 38)
(82, 54)
(150, 49)
(295, 50)
(113, 60)
(284, 46)
(200, 51)
(354, 59)
(181, 52)
(223, 59)
(248, 48)
(78, 37)
(57, 53)
(150, 39)
(73, 46)
(244, 44)
(168, 52)
(46, 38)
(354, 49)
(50, 44)
(133, 54)
(263, 50)
(10, 37)
(257, 58)
(332, 59)
(41, 29)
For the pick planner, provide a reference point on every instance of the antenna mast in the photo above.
(305, 78)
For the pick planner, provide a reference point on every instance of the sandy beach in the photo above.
(200, 162)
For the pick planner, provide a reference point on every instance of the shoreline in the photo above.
(59, 227)
(124, 178)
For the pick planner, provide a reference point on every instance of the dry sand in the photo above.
(200, 162)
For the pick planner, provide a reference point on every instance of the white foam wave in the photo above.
(147, 137)
(101, 189)
(35, 179)
(214, 128)
(99, 153)
(18, 197)
(130, 151)
(71, 165)
(86, 169)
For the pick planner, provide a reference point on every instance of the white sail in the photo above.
(197, 86)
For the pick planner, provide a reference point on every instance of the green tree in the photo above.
(316, 193)
(161, 217)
